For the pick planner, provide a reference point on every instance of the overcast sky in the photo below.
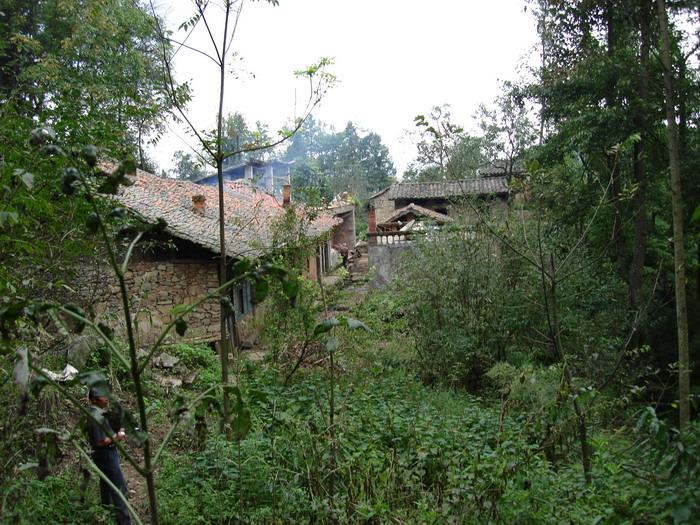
(393, 59)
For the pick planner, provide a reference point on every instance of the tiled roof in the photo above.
(249, 212)
(500, 167)
(447, 189)
(418, 210)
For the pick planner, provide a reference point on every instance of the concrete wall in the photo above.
(384, 258)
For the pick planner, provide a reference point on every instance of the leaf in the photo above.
(78, 325)
(241, 267)
(696, 214)
(9, 217)
(332, 344)
(131, 425)
(37, 384)
(178, 309)
(51, 150)
(68, 180)
(111, 184)
(89, 154)
(106, 330)
(208, 404)
(325, 326)
(127, 166)
(92, 222)
(26, 178)
(260, 290)
(681, 514)
(290, 287)
(42, 135)
(20, 373)
(241, 423)
(181, 327)
(94, 380)
(159, 226)
(118, 213)
(354, 324)
(274, 270)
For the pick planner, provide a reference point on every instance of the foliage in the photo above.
(89, 71)
(329, 162)
(444, 149)
(186, 167)
(56, 499)
(395, 463)
(102, 84)
(507, 129)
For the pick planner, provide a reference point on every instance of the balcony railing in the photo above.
(383, 238)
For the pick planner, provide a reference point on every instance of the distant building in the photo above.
(399, 212)
(270, 176)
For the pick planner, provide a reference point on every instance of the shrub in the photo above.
(56, 499)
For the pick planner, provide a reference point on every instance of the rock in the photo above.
(78, 350)
(189, 378)
(247, 344)
(165, 361)
(169, 382)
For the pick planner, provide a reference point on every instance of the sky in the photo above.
(393, 59)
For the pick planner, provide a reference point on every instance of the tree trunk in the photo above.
(677, 207)
(639, 200)
(223, 339)
(618, 234)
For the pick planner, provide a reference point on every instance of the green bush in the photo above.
(56, 499)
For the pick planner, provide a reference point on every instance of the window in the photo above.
(243, 299)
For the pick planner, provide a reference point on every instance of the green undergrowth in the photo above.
(405, 453)
(399, 451)
(55, 499)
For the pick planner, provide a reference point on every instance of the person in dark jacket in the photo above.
(106, 457)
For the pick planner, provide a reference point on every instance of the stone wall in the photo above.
(155, 288)
(384, 208)
(344, 233)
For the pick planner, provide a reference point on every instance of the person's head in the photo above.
(100, 401)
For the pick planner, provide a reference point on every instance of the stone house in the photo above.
(403, 208)
(181, 263)
(437, 196)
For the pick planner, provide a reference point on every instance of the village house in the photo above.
(398, 212)
(270, 176)
(180, 264)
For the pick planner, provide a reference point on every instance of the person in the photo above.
(105, 455)
(344, 253)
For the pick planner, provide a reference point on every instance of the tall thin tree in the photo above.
(677, 210)
(214, 149)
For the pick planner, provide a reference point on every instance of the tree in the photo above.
(602, 128)
(99, 85)
(444, 150)
(213, 145)
(679, 261)
(186, 167)
(331, 162)
(508, 131)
